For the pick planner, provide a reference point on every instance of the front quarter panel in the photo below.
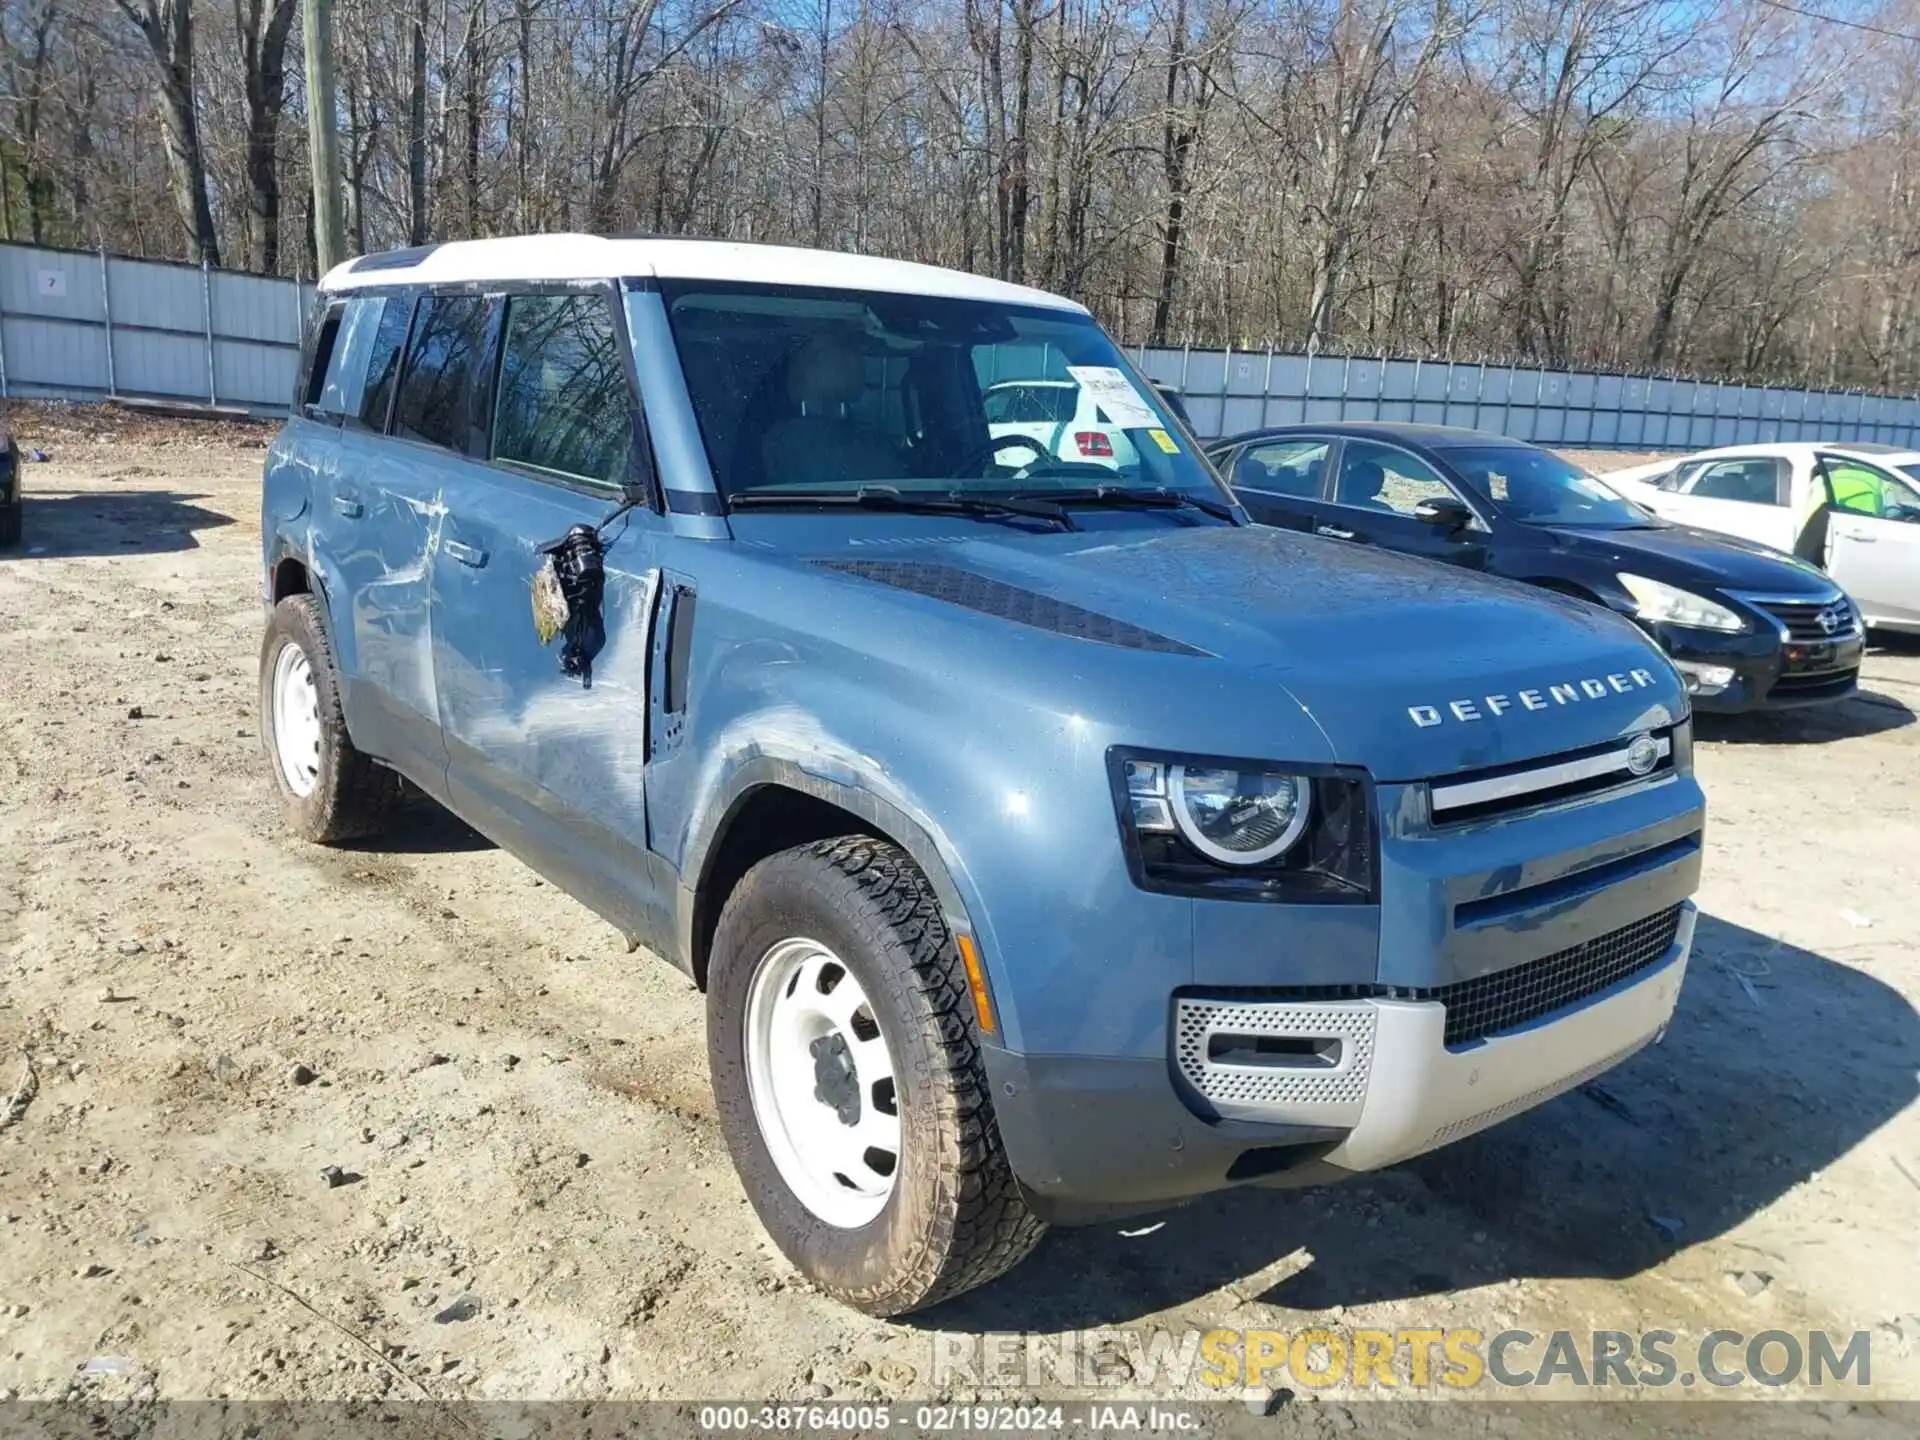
(984, 743)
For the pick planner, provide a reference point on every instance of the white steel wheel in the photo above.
(821, 1079)
(296, 720)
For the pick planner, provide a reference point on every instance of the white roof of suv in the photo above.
(597, 257)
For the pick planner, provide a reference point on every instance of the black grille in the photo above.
(1489, 1004)
(988, 596)
(1808, 620)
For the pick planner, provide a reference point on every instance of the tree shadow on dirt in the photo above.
(1869, 711)
(57, 525)
(1779, 1062)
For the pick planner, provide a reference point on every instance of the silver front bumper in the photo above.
(1395, 1086)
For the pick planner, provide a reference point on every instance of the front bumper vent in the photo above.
(1217, 1048)
(1508, 999)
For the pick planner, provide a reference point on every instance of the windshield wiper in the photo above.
(886, 497)
(1124, 497)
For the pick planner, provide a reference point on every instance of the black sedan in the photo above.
(11, 504)
(1748, 627)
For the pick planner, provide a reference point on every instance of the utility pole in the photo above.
(329, 229)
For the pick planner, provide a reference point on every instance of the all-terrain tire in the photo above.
(352, 796)
(955, 1218)
(10, 517)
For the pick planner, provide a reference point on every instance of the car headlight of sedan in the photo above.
(1251, 830)
(1659, 603)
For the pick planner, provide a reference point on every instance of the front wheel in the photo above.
(849, 1083)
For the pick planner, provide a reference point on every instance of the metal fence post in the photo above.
(1226, 386)
(1266, 390)
(106, 312)
(206, 296)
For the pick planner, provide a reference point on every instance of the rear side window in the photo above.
(383, 362)
(1760, 481)
(322, 346)
(565, 404)
(1283, 467)
(343, 385)
(436, 393)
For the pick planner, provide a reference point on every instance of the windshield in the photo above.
(829, 391)
(1540, 488)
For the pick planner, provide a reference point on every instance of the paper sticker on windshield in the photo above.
(1109, 388)
(1164, 441)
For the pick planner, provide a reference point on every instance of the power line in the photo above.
(1838, 20)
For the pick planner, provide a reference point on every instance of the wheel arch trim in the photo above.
(923, 842)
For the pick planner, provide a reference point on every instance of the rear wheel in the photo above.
(849, 1082)
(10, 516)
(328, 790)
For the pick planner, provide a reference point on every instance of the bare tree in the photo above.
(262, 28)
(167, 26)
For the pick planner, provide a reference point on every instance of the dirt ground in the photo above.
(532, 1199)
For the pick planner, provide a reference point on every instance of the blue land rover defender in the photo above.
(873, 642)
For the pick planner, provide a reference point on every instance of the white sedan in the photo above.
(1853, 509)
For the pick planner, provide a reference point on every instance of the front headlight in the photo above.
(1659, 603)
(1244, 829)
(1237, 817)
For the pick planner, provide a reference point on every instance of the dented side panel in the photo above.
(550, 764)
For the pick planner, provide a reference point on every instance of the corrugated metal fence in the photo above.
(79, 325)
(1228, 392)
(83, 326)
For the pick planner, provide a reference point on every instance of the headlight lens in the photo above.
(1245, 830)
(1657, 602)
(1238, 817)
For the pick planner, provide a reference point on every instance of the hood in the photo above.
(1683, 555)
(1411, 668)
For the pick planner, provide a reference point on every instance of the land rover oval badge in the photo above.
(1643, 754)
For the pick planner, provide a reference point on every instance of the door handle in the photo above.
(1333, 532)
(348, 506)
(1860, 537)
(466, 554)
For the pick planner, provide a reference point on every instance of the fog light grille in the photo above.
(1286, 1082)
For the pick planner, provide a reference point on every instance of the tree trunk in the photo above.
(167, 26)
(262, 31)
(417, 223)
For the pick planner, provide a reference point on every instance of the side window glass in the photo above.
(1283, 467)
(1752, 482)
(383, 362)
(435, 403)
(343, 386)
(1676, 479)
(1379, 477)
(1863, 491)
(324, 345)
(565, 403)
